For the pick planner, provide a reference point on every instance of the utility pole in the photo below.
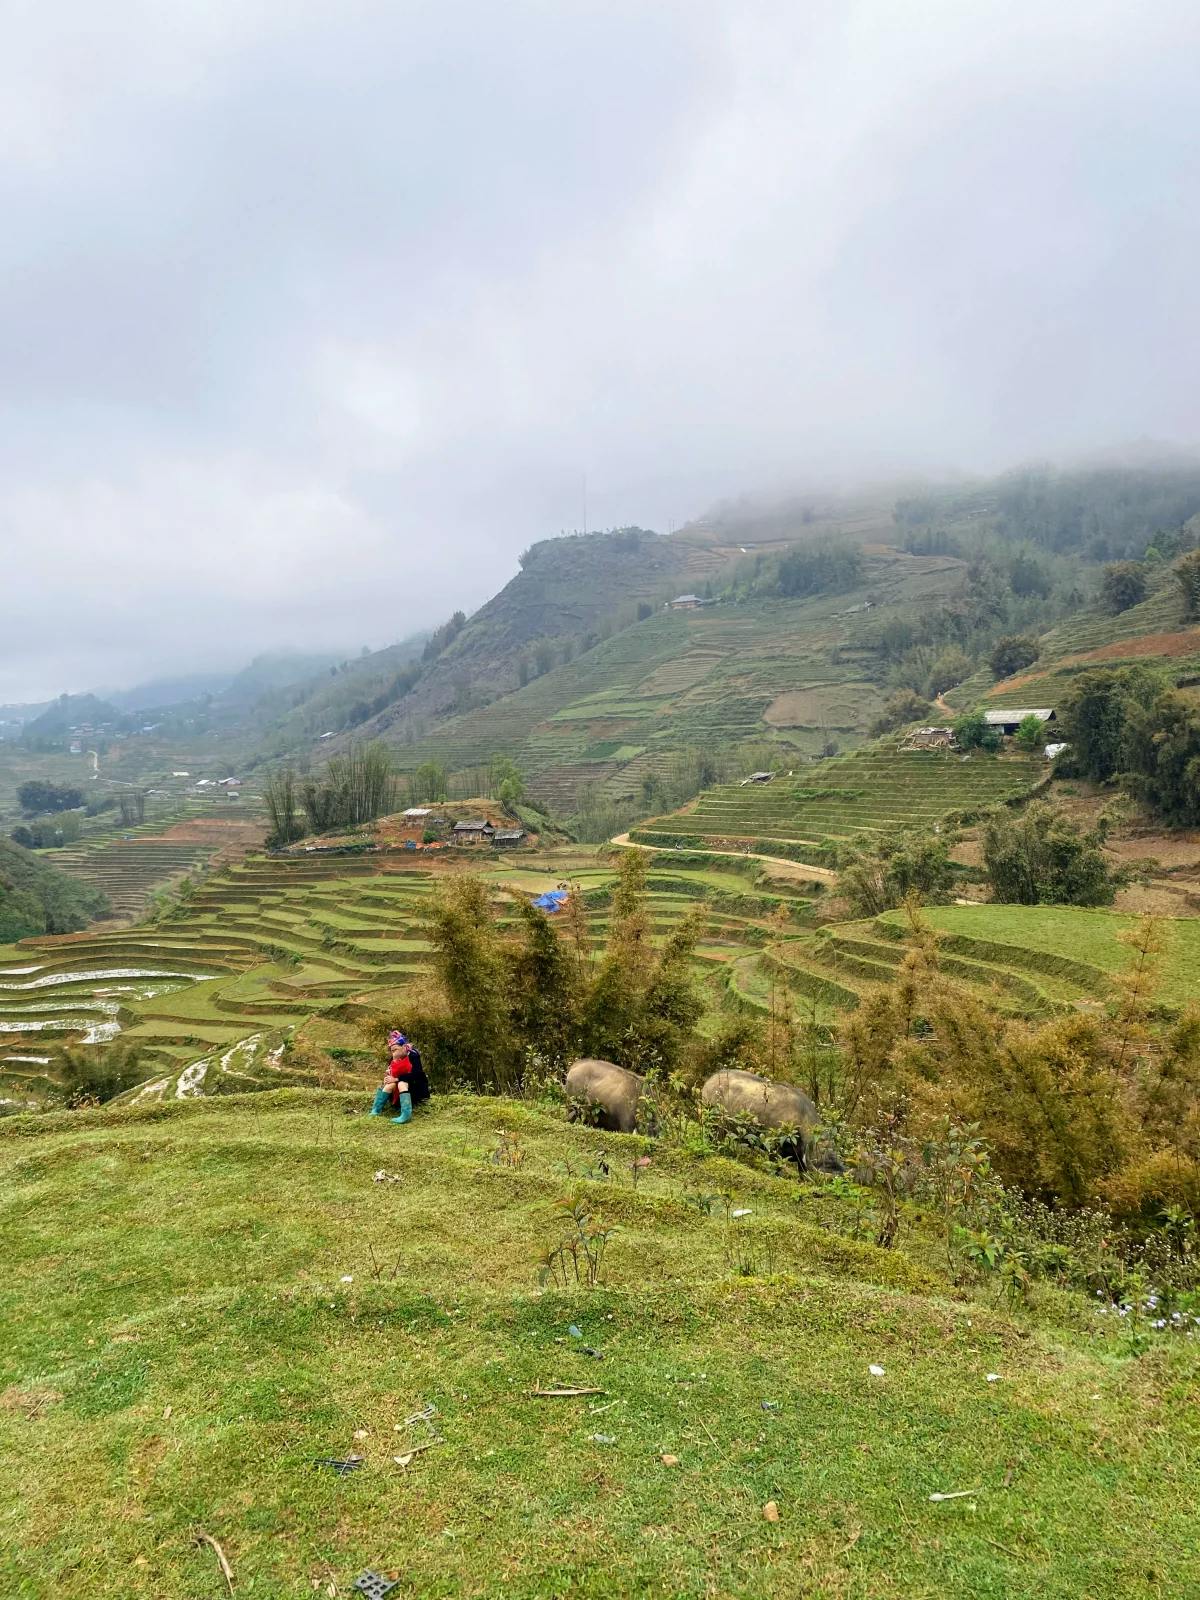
(585, 502)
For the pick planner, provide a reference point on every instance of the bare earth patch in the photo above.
(1147, 644)
(31, 1402)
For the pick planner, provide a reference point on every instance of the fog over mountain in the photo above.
(314, 315)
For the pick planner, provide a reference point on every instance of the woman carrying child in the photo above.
(404, 1084)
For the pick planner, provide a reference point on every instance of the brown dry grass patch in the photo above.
(1147, 644)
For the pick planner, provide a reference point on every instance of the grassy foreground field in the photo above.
(203, 1298)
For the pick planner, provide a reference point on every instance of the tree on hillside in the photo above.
(1012, 654)
(1092, 714)
(428, 782)
(1041, 857)
(282, 803)
(1027, 575)
(506, 782)
(443, 636)
(950, 666)
(1187, 575)
(1124, 584)
(877, 877)
(821, 569)
(544, 988)
(38, 796)
(469, 965)
(899, 709)
(132, 803)
(1161, 757)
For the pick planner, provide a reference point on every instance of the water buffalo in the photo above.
(773, 1106)
(604, 1094)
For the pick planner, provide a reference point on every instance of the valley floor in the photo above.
(202, 1299)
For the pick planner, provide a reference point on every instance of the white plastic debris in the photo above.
(347, 1277)
(742, 1211)
(876, 1372)
(958, 1494)
(993, 1377)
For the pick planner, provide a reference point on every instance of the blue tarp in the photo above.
(552, 900)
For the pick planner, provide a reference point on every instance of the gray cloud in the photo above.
(313, 315)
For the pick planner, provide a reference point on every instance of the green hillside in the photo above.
(796, 672)
(36, 898)
(253, 1296)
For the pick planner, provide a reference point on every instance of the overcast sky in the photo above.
(312, 314)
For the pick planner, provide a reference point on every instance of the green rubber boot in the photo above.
(383, 1099)
(405, 1108)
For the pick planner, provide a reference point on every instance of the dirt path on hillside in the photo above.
(784, 868)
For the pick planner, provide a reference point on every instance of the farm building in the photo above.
(416, 813)
(1009, 721)
(930, 739)
(686, 602)
(758, 777)
(472, 830)
(506, 838)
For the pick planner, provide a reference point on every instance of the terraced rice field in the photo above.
(875, 792)
(270, 943)
(1069, 953)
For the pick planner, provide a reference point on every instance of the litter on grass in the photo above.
(373, 1585)
(340, 1464)
(958, 1494)
(876, 1372)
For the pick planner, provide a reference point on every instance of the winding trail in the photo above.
(785, 869)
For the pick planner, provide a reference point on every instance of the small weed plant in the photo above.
(578, 1259)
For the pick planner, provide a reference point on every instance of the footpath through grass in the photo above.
(201, 1299)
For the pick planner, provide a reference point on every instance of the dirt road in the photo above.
(785, 869)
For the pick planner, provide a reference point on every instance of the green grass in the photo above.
(176, 1357)
(1081, 947)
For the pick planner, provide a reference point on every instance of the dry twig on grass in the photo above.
(561, 1394)
(207, 1538)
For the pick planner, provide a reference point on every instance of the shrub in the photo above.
(974, 733)
(1031, 733)
(1041, 857)
(878, 877)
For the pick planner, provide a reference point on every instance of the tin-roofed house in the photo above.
(473, 830)
(1008, 721)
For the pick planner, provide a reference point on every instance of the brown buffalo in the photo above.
(604, 1094)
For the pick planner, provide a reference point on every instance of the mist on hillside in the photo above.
(316, 316)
